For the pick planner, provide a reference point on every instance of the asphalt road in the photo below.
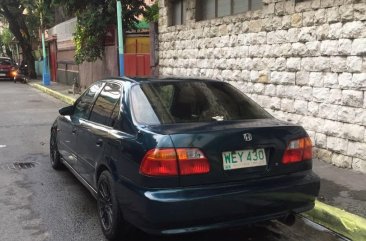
(38, 203)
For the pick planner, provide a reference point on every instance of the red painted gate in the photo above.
(137, 65)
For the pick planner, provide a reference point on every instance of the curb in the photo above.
(57, 95)
(347, 224)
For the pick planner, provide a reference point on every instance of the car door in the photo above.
(68, 125)
(92, 133)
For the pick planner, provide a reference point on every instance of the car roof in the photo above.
(165, 79)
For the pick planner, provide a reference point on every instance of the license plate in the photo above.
(243, 159)
(1, 74)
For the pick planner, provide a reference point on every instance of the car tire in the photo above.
(109, 214)
(55, 156)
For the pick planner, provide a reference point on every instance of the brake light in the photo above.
(172, 162)
(298, 150)
(160, 162)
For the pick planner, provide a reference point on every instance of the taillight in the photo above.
(160, 162)
(192, 161)
(298, 150)
(171, 162)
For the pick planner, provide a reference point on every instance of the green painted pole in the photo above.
(46, 75)
(120, 39)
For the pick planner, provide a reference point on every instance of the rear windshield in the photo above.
(5, 62)
(191, 101)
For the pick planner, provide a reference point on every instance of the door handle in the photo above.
(99, 143)
(73, 131)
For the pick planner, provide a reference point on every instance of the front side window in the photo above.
(105, 104)
(84, 104)
(209, 9)
(191, 101)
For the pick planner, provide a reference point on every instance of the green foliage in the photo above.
(6, 37)
(152, 13)
(94, 16)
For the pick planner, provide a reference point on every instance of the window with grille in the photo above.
(178, 12)
(209, 9)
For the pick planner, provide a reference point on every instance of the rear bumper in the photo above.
(173, 211)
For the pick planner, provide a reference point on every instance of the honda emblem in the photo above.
(248, 137)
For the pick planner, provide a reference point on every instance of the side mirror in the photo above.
(69, 110)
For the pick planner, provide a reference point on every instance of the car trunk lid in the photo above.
(235, 150)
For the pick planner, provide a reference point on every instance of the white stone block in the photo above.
(308, 18)
(320, 16)
(328, 111)
(335, 31)
(329, 47)
(332, 128)
(287, 105)
(312, 48)
(270, 90)
(341, 161)
(345, 80)
(359, 165)
(316, 79)
(302, 78)
(301, 107)
(353, 98)
(345, 46)
(354, 64)
(313, 108)
(346, 114)
(333, 15)
(320, 94)
(353, 132)
(353, 29)
(293, 64)
(359, 47)
(320, 140)
(298, 49)
(338, 64)
(357, 149)
(330, 80)
(283, 77)
(359, 80)
(337, 144)
(335, 97)
(305, 93)
(360, 11)
(307, 34)
(346, 12)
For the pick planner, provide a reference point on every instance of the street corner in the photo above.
(57, 95)
(338, 220)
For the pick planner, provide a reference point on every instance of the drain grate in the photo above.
(19, 165)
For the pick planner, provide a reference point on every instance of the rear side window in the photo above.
(84, 104)
(192, 101)
(106, 106)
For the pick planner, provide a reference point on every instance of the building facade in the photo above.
(304, 61)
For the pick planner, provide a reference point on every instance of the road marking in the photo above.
(2, 146)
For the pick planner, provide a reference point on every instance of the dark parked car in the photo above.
(8, 68)
(174, 156)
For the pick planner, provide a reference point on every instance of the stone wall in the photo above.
(304, 62)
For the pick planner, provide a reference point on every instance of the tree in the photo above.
(93, 19)
(23, 27)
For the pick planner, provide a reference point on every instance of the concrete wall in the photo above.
(304, 62)
(86, 73)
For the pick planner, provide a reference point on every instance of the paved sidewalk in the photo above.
(341, 205)
(343, 188)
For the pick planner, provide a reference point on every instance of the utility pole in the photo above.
(120, 39)
(46, 75)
